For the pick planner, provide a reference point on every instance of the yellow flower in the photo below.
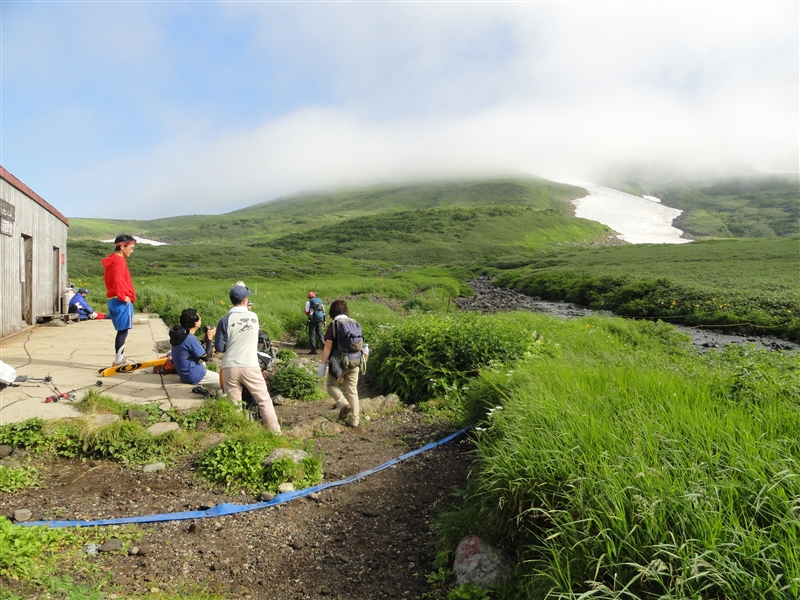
(788, 311)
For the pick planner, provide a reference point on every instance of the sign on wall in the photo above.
(7, 217)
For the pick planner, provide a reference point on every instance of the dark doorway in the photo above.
(56, 281)
(26, 279)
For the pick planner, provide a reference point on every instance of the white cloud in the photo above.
(245, 102)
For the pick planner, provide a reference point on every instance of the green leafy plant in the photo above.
(238, 463)
(438, 577)
(303, 474)
(20, 546)
(286, 354)
(16, 479)
(294, 381)
(25, 434)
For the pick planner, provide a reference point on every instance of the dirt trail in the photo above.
(368, 539)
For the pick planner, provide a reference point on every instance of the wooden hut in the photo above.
(33, 256)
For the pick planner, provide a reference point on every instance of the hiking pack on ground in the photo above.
(316, 311)
(265, 350)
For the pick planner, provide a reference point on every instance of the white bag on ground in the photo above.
(7, 374)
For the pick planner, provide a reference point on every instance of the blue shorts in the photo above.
(121, 314)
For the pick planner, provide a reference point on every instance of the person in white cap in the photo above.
(237, 337)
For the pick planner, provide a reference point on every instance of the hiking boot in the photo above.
(199, 389)
(344, 411)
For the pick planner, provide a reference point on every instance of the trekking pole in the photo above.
(70, 395)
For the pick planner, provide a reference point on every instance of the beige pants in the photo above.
(211, 379)
(350, 397)
(233, 378)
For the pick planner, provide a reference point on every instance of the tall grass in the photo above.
(617, 470)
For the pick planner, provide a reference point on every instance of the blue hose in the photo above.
(230, 509)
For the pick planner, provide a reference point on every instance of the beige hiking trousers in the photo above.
(350, 397)
(233, 378)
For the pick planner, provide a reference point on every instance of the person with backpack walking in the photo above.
(237, 336)
(315, 311)
(343, 353)
(120, 293)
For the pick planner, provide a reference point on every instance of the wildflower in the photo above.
(788, 311)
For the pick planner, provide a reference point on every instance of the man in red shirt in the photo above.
(120, 293)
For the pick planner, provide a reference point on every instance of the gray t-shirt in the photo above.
(237, 337)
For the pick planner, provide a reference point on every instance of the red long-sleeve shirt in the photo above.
(118, 278)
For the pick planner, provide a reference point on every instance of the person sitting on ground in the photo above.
(187, 352)
(347, 403)
(79, 306)
(315, 311)
(237, 337)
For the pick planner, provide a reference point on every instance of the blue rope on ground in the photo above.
(230, 509)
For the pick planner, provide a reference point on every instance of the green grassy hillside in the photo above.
(285, 216)
(451, 235)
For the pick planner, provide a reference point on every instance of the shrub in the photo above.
(429, 356)
(294, 381)
(286, 354)
(129, 442)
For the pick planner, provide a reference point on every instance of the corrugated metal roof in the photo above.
(29, 192)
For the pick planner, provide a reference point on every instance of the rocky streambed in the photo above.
(489, 298)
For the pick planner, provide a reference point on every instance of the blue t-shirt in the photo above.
(185, 357)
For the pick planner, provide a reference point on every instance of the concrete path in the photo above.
(72, 355)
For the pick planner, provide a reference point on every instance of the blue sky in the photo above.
(152, 109)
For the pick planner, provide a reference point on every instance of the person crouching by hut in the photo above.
(188, 354)
(120, 293)
(237, 337)
(79, 306)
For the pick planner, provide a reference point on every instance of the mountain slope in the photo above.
(284, 216)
